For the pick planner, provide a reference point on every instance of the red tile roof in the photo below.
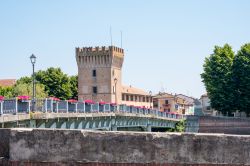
(133, 90)
(7, 82)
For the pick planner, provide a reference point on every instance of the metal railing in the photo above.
(48, 105)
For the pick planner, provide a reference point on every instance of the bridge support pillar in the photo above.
(32, 124)
(113, 128)
(149, 128)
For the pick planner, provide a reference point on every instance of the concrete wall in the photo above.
(81, 147)
(227, 125)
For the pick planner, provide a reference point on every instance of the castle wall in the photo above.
(86, 83)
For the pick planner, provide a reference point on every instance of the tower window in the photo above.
(94, 73)
(166, 102)
(95, 89)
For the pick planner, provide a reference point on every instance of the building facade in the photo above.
(136, 97)
(174, 103)
(206, 106)
(100, 76)
(166, 102)
(189, 104)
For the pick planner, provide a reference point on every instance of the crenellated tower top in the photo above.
(89, 57)
(99, 73)
(99, 49)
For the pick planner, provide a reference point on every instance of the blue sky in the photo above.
(165, 42)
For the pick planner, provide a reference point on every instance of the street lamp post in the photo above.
(115, 80)
(33, 61)
(150, 94)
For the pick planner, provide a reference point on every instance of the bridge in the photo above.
(71, 114)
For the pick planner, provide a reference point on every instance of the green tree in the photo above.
(23, 89)
(56, 82)
(6, 92)
(180, 126)
(74, 86)
(24, 80)
(241, 79)
(217, 79)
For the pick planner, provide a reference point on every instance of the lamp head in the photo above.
(33, 59)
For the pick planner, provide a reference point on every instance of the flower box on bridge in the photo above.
(23, 98)
(89, 102)
(73, 101)
(1, 98)
(54, 99)
(102, 103)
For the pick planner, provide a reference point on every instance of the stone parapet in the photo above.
(78, 147)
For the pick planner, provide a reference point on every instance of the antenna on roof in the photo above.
(121, 39)
(162, 88)
(110, 32)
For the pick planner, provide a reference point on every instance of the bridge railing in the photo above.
(1, 107)
(80, 107)
(50, 105)
(14, 106)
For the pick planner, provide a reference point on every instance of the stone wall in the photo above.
(76, 147)
(4, 142)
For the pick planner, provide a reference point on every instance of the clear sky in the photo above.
(165, 42)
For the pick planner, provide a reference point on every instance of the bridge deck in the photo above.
(12, 118)
(94, 120)
(89, 115)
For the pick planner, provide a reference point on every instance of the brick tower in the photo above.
(99, 73)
